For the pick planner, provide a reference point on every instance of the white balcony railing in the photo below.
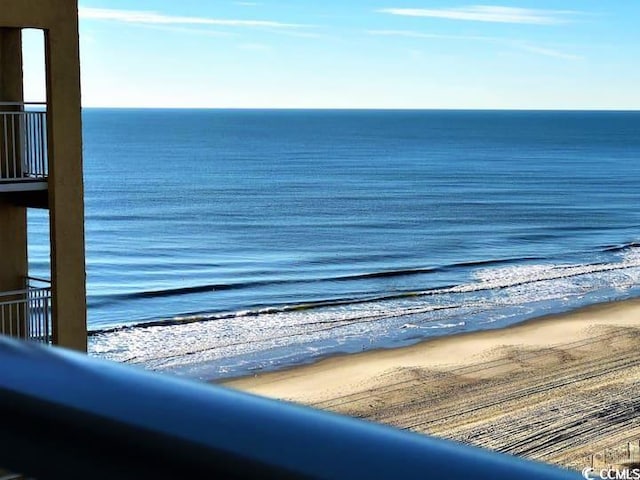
(26, 313)
(23, 142)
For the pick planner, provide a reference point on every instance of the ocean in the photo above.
(226, 242)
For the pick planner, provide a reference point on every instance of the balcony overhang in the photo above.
(29, 193)
(23, 185)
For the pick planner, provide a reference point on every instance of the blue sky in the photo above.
(579, 54)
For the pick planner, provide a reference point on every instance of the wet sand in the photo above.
(558, 388)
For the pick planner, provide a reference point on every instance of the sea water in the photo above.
(224, 242)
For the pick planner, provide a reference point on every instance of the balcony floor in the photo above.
(22, 185)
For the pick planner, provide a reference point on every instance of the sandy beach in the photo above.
(561, 389)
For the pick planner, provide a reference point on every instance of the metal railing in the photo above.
(26, 313)
(69, 416)
(23, 142)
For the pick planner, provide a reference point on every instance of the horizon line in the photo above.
(409, 109)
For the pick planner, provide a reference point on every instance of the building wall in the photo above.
(13, 219)
(59, 21)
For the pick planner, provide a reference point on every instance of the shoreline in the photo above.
(467, 378)
(260, 378)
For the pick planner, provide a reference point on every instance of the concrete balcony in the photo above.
(24, 165)
(26, 313)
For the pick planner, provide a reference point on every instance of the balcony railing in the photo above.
(68, 416)
(23, 142)
(26, 313)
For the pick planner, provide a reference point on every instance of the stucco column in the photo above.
(13, 234)
(65, 181)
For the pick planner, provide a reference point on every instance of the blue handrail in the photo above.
(65, 415)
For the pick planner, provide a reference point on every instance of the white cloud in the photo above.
(154, 18)
(488, 13)
(297, 33)
(414, 34)
(255, 47)
(547, 52)
(523, 46)
(189, 30)
(402, 33)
